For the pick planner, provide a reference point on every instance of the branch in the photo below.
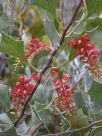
(76, 130)
(50, 60)
(36, 86)
(35, 129)
(90, 132)
(71, 21)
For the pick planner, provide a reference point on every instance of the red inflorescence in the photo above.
(86, 51)
(34, 47)
(65, 96)
(23, 90)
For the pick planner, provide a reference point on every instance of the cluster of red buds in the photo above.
(34, 47)
(65, 96)
(23, 90)
(85, 50)
(87, 53)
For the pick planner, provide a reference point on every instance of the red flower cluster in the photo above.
(23, 90)
(62, 88)
(85, 50)
(34, 47)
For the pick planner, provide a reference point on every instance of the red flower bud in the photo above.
(18, 84)
(36, 40)
(54, 73)
(85, 39)
(22, 79)
(35, 77)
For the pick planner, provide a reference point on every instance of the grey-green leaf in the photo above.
(5, 23)
(93, 6)
(4, 97)
(9, 132)
(49, 5)
(12, 47)
(80, 103)
(50, 28)
(5, 120)
(96, 95)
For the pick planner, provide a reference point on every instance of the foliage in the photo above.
(51, 68)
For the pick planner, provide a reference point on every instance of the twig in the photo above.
(61, 65)
(49, 61)
(36, 86)
(76, 130)
(64, 119)
(90, 132)
(71, 21)
(40, 119)
(35, 129)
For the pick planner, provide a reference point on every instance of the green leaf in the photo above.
(45, 115)
(80, 103)
(93, 6)
(78, 119)
(39, 60)
(5, 23)
(97, 132)
(98, 116)
(22, 128)
(9, 132)
(67, 7)
(49, 5)
(96, 94)
(1, 9)
(44, 94)
(80, 28)
(48, 120)
(12, 47)
(4, 98)
(39, 106)
(96, 37)
(72, 54)
(93, 23)
(39, 95)
(77, 134)
(87, 82)
(4, 120)
(50, 28)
